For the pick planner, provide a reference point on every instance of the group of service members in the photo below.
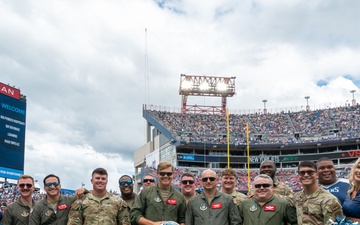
(323, 200)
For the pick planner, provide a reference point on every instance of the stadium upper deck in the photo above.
(286, 138)
(281, 128)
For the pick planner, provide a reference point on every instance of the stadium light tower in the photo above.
(264, 101)
(307, 103)
(353, 101)
(211, 86)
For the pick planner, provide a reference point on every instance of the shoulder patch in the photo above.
(335, 206)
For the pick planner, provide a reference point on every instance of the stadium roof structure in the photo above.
(210, 86)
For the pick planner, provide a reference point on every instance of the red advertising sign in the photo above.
(9, 91)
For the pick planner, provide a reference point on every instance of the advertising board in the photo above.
(12, 133)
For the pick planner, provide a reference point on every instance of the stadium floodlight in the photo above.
(187, 85)
(307, 103)
(193, 85)
(221, 87)
(204, 87)
(353, 99)
(264, 101)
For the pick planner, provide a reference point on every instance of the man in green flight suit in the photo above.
(160, 203)
(17, 213)
(265, 207)
(212, 207)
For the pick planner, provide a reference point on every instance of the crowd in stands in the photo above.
(286, 127)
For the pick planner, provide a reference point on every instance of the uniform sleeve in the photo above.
(123, 216)
(331, 210)
(290, 214)
(8, 217)
(75, 214)
(234, 216)
(182, 211)
(35, 218)
(189, 218)
(138, 208)
(239, 207)
(288, 191)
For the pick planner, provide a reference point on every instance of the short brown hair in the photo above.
(164, 165)
(100, 171)
(187, 175)
(26, 177)
(228, 172)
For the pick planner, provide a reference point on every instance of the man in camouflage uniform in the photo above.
(228, 182)
(314, 205)
(281, 189)
(54, 208)
(159, 203)
(211, 206)
(99, 206)
(126, 189)
(18, 212)
(265, 208)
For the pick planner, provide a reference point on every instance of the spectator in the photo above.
(351, 205)
(329, 181)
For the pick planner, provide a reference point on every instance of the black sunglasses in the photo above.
(309, 172)
(27, 185)
(262, 185)
(165, 173)
(205, 179)
(185, 182)
(148, 180)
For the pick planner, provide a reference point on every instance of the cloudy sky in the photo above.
(88, 66)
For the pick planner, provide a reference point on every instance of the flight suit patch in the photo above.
(216, 206)
(171, 201)
(203, 207)
(24, 213)
(270, 208)
(62, 206)
(253, 208)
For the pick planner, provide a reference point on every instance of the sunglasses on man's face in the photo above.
(165, 173)
(262, 185)
(185, 182)
(128, 182)
(205, 179)
(27, 185)
(149, 180)
(309, 172)
(51, 184)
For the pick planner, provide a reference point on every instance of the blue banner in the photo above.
(10, 173)
(12, 133)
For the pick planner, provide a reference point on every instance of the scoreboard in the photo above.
(12, 132)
